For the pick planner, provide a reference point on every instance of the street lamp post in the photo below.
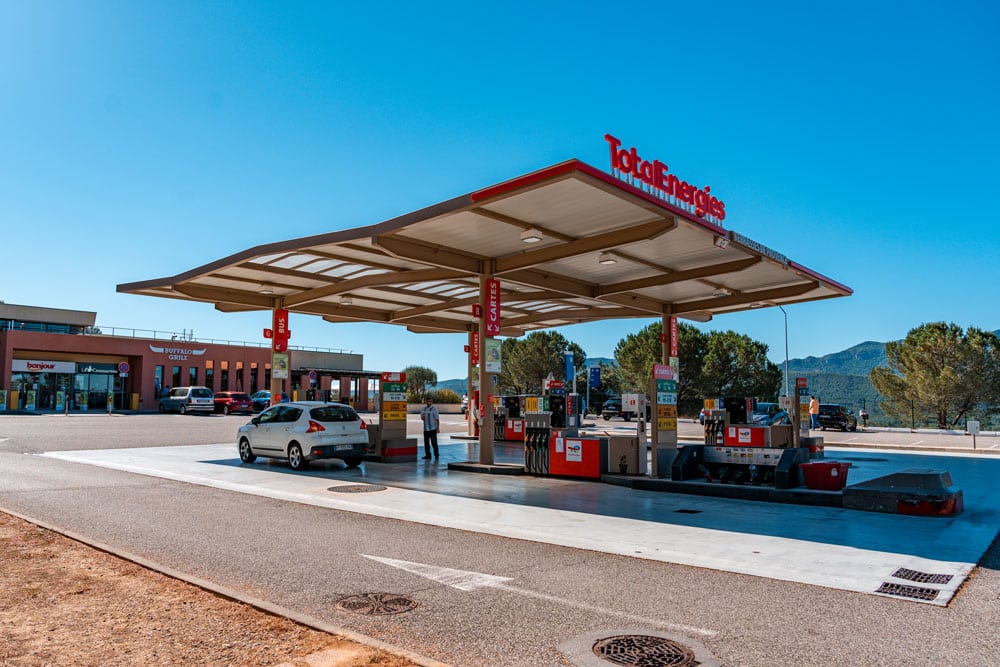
(786, 348)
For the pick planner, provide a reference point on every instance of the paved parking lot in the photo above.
(831, 547)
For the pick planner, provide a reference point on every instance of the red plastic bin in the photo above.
(825, 475)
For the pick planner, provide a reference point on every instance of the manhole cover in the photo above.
(644, 651)
(377, 604)
(357, 488)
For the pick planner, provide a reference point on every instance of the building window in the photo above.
(192, 376)
(224, 386)
(210, 374)
(176, 379)
(239, 376)
(253, 377)
(158, 380)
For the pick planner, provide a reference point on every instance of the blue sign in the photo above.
(595, 377)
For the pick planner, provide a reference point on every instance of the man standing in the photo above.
(813, 412)
(429, 416)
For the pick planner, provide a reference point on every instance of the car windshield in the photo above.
(239, 397)
(334, 413)
(765, 409)
(201, 393)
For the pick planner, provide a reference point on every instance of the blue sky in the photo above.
(142, 139)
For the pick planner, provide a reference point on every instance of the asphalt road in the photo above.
(306, 558)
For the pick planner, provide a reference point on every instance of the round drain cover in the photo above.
(377, 604)
(357, 488)
(644, 651)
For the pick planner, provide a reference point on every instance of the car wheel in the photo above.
(163, 409)
(184, 409)
(295, 458)
(225, 409)
(353, 461)
(246, 454)
(627, 418)
(606, 417)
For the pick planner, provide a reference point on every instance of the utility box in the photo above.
(624, 457)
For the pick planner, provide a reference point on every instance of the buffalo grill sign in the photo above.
(492, 307)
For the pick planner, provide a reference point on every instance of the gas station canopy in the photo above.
(568, 244)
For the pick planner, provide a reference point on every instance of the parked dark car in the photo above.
(232, 402)
(835, 415)
(611, 408)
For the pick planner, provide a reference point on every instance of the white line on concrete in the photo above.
(467, 581)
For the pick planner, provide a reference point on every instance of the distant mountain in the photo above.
(857, 360)
(843, 377)
(459, 386)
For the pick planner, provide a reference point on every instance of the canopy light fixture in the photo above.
(722, 291)
(531, 235)
(607, 259)
(266, 289)
(721, 242)
(346, 301)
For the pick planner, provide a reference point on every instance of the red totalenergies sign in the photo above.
(654, 174)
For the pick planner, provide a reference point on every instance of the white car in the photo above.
(304, 431)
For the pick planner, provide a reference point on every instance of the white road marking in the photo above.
(467, 581)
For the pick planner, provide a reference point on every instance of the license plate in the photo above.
(343, 448)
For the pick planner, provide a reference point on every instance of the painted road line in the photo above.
(467, 581)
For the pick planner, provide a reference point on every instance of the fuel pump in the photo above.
(536, 443)
(557, 406)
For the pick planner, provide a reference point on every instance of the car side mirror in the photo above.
(255, 421)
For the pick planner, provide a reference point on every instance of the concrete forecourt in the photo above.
(635, 549)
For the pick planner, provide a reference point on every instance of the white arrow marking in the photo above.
(460, 579)
(467, 581)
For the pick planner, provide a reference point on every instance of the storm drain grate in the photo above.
(644, 651)
(913, 592)
(921, 577)
(377, 604)
(685, 511)
(357, 488)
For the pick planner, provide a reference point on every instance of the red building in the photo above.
(50, 355)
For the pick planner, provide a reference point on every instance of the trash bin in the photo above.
(825, 475)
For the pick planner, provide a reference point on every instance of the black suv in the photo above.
(834, 415)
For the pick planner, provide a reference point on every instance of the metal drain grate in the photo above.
(921, 577)
(912, 592)
(644, 651)
(357, 488)
(377, 604)
(685, 511)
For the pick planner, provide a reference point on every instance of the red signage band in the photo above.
(280, 331)
(474, 347)
(492, 307)
(654, 174)
(674, 337)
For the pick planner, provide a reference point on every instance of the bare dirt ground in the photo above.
(64, 603)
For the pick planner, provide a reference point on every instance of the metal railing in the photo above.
(189, 337)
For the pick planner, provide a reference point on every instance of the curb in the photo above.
(231, 594)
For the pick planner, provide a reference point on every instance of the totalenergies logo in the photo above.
(654, 174)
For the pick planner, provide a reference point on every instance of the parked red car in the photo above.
(228, 402)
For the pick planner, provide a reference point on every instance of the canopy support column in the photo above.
(486, 384)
